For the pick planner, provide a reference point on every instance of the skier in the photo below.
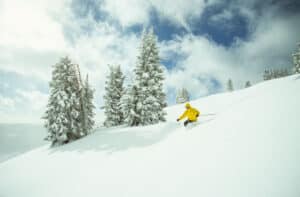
(191, 114)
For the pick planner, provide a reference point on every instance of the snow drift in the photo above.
(247, 144)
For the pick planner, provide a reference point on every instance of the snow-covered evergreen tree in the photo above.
(63, 113)
(275, 73)
(149, 78)
(272, 74)
(112, 98)
(229, 85)
(296, 60)
(80, 88)
(88, 107)
(285, 72)
(267, 75)
(182, 96)
(129, 103)
(248, 84)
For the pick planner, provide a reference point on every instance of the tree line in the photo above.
(70, 110)
(274, 73)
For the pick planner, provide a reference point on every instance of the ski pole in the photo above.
(207, 114)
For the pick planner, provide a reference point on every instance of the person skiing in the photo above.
(191, 114)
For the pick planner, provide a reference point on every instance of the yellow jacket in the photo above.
(190, 113)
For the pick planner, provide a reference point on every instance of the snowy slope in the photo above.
(249, 147)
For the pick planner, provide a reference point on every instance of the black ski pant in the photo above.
(187, 122)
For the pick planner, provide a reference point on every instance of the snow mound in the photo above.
(245, 144)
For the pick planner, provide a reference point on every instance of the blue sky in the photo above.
(202, 44)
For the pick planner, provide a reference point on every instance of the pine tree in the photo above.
(296, 60)
(182, 96)
(285, 72)
(64, 107)
(248, 84)
(114, 92)
(230, 85)
(149, 78)
(276, 74)
(80, 88)
(88, 107)
(282, 72)
(267, 75)
(273, 74)
(129, 104)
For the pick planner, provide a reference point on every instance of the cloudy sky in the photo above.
(202, 44)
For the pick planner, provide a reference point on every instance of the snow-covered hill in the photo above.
(247, 144)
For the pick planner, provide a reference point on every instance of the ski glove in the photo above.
(177, 119)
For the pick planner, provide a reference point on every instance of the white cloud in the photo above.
(31, 40)
(270, 45)
(32, 52)
(129, 12)
(28, 24)
(34, 39)
(28, 62)
(132, 12)
(6, 103)
(204, 59)
(34, 99)
(103, 46)
(222, 17)
(27, 106)
(180, 11)
(31, 36)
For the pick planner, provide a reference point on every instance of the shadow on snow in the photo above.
(112, 140)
